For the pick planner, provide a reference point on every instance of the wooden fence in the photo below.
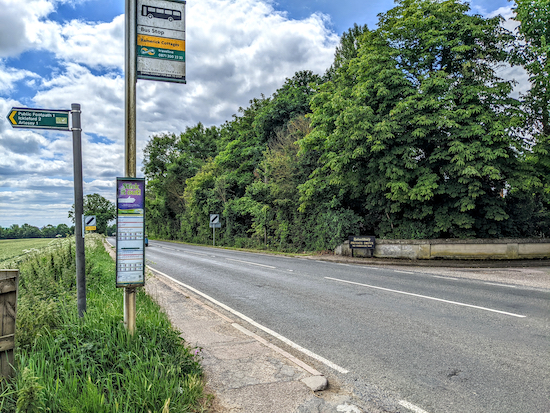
(9, 280)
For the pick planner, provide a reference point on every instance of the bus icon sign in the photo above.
(160, 13)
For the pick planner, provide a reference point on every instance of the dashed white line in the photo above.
(251, 263)
(190, 252)
(501, 285)
(445, 278)
(412, 407)
(404, 272)
(428, 297)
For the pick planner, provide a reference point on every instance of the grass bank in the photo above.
(68, 364)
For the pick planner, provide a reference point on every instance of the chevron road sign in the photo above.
(215, 221)
(90, 223)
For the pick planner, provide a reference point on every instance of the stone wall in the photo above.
(472, 249)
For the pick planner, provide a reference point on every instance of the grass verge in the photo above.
(68, 364)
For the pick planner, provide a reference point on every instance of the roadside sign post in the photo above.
(161, 40)
(79, 210)
(130, 135)
(154, 40)
(27, 118)
(365, 242)
(214, 223)
(53, 119)
(130, 240)
(90, 223)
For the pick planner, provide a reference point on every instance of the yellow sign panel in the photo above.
(161, 43)
(91, 228)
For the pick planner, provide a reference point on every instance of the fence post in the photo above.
(9, 280)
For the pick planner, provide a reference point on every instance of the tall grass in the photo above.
(69, 364)
(13, 251)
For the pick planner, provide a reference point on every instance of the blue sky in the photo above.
(57, 52)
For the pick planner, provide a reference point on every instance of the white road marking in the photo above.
(428, 297)
(445, 278)
(258, 325)
(348, 408)
(404, 272)
(501, 285)
(251, 263)
(190, 252)
(279, 350)
(412, 407)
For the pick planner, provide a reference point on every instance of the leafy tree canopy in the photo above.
(102, 208)
(417, 127)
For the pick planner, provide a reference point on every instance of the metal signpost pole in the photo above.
(130, 135)
(78, 210)
(56, 119)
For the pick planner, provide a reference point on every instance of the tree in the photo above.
(102, 208)
(288, 102)
(168, 162)
(63, 230)
(415, 133)
(30, 231)
(347, 49)
(49, 231)
(533, 53)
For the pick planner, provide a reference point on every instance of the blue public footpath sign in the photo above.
(130, 240)
(39, 118)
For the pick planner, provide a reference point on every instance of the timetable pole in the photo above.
(130, 134)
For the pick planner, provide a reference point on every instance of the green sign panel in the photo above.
(39, 118)
(166, 54)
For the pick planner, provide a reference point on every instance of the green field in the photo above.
(11, 249)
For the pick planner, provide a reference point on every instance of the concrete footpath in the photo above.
(248, 373)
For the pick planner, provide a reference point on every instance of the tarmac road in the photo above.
(437, 340)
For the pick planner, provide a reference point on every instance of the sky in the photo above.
(57, 52)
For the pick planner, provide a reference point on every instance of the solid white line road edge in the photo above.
(258, 325)
(279, 350)
(428, 297)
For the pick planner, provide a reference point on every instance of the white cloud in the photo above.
(20, 23)
(235, 50)
(9, 76)
(91, 44)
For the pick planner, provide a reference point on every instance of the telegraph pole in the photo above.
(130, 72)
